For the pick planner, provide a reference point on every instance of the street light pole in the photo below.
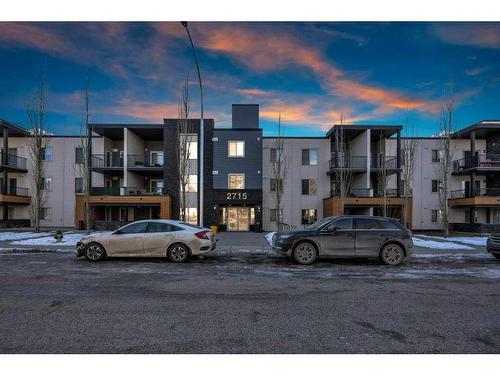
(202, 131)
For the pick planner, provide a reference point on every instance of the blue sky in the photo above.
(310, 73)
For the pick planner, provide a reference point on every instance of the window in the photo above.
(276, 184)
(156, 158)
(387, 224)
(308, 216)
(276, 155)
(155, 227)
(236, 181)
(310, 157)
(79, 185)
(192, 215)
(434, 216)
(436, 156)
(436, 186)
(79, 155)
(47, 183)
(341, 224)
(47, 153)
(309, 187)
(192, 183)
(134, 228)
(365, 223)
(236, 149)
(495, 213)
(45, 214)
(275, 214)
(193, 150)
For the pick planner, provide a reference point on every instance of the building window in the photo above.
(276, 155)
(156, 158)
(192, 143)
(236, 181)
(47, 183)
(436, 156)
(468, 214)
(436, 186)
(47, 153)
(79, 155)
(275, 214)
(45, 214)
(495, 216)
(236, 149)
(308, 216)
(434, 216)
(192, 183)
(276, 183)
(79, 185)
(310, 157)
(309, 187)
(191, 215)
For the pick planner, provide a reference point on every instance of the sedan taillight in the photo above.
(202, 235)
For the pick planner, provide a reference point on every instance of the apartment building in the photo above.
(135, 175)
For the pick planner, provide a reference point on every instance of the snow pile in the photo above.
(269, 237)
(14, 236)
(439, 245)
(477, 241)
(69, 239)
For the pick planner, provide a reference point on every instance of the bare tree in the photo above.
(279, 172)
(409, 145)
(343, 175)
(183, 143)
(447, 123)
(382, 175)
(37, 142)
(84, 166)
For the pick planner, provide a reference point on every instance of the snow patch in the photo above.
(478, 241)
(438, 245)
(69, 239)
(9, 236)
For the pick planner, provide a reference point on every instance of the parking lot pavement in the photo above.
(242, 298)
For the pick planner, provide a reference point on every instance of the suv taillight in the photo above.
(202, 235)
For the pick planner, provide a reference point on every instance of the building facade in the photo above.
(134, 170)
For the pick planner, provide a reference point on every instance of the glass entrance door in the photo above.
(238, 218)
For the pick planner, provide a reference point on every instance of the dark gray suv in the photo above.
(347, 237)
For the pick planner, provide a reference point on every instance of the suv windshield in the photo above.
(319, 223)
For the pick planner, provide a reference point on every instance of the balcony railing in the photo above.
(352, 162)
(478, 161)
(368, 193)
(123, 191)
(13, 161)
(18, 191)
(467, 193)
(384, 162)
(144, 161)
(106, 161)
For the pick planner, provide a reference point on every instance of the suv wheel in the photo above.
(304, 253)
(94, 252)
(392, 254)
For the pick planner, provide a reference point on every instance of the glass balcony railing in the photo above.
(123, 191)
(350, 162)
(482, 192)
(106, 161)
(13, 161)
(144, 161)
(367, 193)
(18, 191)
(486, 161)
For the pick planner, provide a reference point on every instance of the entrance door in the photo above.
(238, 218)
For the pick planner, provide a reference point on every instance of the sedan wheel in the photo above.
(304, 253)
(94, 252)
(392, 254)
(178, 253)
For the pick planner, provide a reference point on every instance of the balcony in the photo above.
(353, 163)
(483, 197)
(368, 193)
(387, 163)
(12, 163)
(481, 163)
(111, 163)
(16, 195)
(124, 191)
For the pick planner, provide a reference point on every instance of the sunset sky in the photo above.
(309, 72)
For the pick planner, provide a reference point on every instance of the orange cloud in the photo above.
(32, 36)
(252, 92)
(483, 35)
(143, 110)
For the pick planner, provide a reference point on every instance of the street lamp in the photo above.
(202, 131)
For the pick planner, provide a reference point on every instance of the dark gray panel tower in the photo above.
(245, 116)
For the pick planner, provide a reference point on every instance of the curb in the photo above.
(17, 250)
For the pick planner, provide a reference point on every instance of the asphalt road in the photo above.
(243, 299)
